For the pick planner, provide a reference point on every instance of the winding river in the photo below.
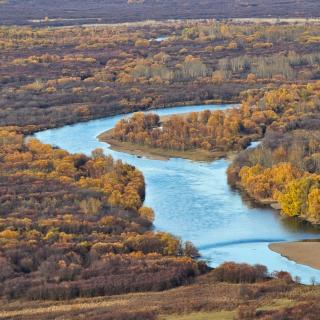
(193, 200)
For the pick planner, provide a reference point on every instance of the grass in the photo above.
(216, 315)
(61, 308)
(277, 304)
(202, 300)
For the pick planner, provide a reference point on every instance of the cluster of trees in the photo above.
(121, 184)
(211, 131)
(57, 76)
(247, 293)
(285, 167)
(240, 273)
(155, 70)
(72, 225)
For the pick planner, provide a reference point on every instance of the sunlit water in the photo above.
(193, 200)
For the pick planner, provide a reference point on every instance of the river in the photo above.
(193, 200)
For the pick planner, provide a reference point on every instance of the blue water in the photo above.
(161, 38)
(193, 200)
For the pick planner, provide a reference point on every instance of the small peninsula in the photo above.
(198, 136)
(302, 252)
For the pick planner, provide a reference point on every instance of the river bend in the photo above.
(193, 200)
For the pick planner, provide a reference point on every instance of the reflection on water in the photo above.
(296, 225)
(193, 200)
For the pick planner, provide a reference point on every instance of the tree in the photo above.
(147, 213)
(313, 203)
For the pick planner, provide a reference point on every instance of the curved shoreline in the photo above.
(301, 252)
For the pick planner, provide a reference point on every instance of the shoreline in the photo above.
(305, 252)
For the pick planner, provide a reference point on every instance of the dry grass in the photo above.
(277, 304)
(204, 299)
(80, 306)
(219, 315)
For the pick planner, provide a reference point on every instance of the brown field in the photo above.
(204, 299)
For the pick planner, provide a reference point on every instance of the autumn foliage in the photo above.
(211, 131)
(56, 76)
(285, 167)
(72, 225)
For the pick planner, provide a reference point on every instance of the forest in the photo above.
(74, 226)
(284, 169)
(212, 131)
(55, 76)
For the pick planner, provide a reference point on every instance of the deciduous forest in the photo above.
(285, 167)
(73, 226)
(57, 76)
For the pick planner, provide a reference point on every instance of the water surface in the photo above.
(193, 200)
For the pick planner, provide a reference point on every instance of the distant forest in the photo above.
(60, 12)
(55, 76)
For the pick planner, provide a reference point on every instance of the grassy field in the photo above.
(215, 315)
(205, 299)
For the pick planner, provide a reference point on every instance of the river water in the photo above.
(193, 200)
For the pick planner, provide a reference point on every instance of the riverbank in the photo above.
(302, 252)
(159, 153)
